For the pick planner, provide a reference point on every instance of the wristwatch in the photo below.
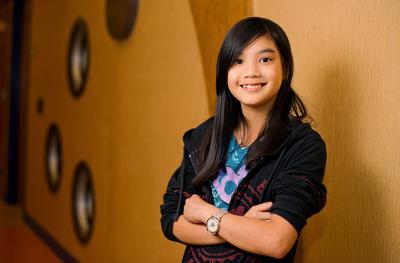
(214, 221)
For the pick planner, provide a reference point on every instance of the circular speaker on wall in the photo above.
(78, 57)
(83, 202)
(121, 16)
(53, 158)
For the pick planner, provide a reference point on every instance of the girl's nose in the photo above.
(252, 70)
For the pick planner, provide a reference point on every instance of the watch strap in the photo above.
(220, 214)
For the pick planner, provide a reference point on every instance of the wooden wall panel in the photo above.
(213, 19)
(142, 94)
(346, 57)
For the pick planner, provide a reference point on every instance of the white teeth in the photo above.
(251, 86)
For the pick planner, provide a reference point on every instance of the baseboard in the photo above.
(63, 254)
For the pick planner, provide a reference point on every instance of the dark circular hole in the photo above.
(83, 202)
(78, 57)
(53, 158)
(121, 16)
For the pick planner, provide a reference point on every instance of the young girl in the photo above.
(251, 175)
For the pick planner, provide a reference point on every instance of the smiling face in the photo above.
(256, 75)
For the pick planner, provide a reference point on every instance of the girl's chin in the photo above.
(256, 105)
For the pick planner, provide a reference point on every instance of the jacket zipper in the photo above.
(249, 174)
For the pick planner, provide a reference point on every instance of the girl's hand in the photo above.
(197, 211)
(260, 211)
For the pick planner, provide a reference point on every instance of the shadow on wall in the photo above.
(355, 208)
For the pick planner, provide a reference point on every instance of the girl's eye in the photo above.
(265, 60)
(238, 61)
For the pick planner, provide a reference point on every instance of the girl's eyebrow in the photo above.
(267, 50)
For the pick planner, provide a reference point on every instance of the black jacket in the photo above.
(290, 177)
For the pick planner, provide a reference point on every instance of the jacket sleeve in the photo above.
(298, 192)
(178, 189)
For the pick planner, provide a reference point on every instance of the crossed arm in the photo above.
(258, 231)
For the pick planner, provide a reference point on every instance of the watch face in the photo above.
(212, 225)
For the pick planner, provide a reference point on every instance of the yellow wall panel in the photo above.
(142, 94)
(213, 19)
(346, 57)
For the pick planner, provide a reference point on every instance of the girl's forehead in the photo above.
(261, 44)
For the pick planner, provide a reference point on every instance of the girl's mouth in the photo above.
(252, 86)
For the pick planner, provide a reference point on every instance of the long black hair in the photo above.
(287, 108)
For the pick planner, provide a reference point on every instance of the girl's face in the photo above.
(256, 75)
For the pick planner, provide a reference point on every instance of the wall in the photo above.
(213, 19)
(6, 29)
(142, 94)
(346, 57)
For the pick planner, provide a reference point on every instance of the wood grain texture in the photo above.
(213, 19)
(346, 57)
(142, 94)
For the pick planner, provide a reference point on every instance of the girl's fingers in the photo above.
(260, 209)
(264, 216)
(264, 206)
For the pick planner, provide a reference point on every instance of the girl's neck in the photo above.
(255, 120)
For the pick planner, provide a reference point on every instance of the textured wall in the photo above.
(346, 57)
(132, 115)
(213, 19)
(127, 125)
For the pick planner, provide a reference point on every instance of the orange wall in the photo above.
(213, 19)
(346, 55)
(142, 94)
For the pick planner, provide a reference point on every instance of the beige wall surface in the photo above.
(213, 19)
(141, 95)
(347, 68)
